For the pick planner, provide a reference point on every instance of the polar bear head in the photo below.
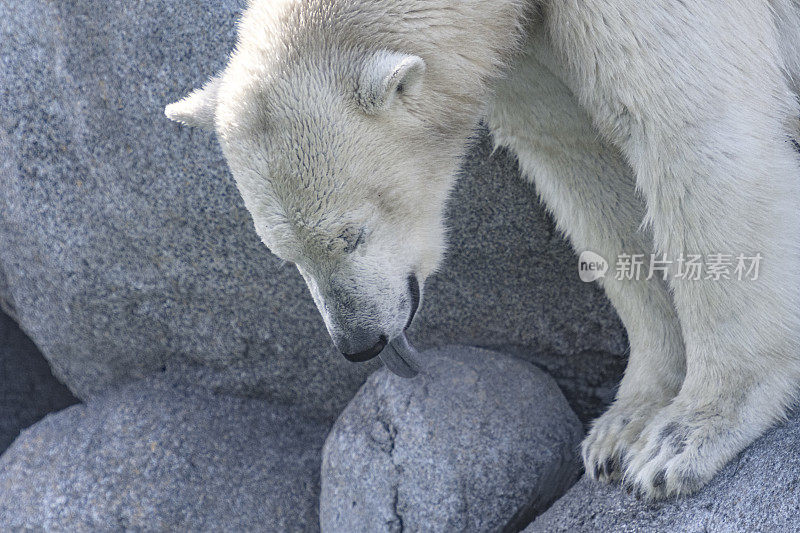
(343, 124)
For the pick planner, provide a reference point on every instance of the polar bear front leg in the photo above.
(590, 190)
(694, 95)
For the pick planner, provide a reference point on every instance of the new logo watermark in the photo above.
(591, 266)
(690, 267)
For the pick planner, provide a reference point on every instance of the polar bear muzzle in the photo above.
(399, 355)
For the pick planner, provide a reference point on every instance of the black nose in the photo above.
(413, 289)
(368, 354)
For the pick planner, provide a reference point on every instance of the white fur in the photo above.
(646, 126)
(198, 109)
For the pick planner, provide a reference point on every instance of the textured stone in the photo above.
(758, 491)
(478, 441)
(159, 456)
(28, 390)
(122, 237)
(125, 245)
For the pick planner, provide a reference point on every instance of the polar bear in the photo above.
(647, 127)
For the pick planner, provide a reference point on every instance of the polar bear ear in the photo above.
(198, 109)
(386, 76)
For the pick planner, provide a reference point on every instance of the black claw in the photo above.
(639, 493)
(610, 466)
(596, 471)
(629, 489)
(660, 481)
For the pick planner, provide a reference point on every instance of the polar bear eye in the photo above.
(353, 238)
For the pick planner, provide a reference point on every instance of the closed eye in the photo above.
(353, 238)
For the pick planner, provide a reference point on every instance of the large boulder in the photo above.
(160, 456)
(28, 390)
(757, 491)
(124, 243)
(478, 441)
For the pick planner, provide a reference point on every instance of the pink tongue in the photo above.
(401, 358)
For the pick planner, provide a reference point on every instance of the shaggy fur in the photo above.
(646, 126)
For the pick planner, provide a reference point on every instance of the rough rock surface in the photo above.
(478, 441)
(124, 243)
(758, 491)
(28, 390)
(158, 456)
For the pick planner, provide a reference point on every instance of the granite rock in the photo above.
(158, 456)
(125, 247)
(479, 441)
(757, 491)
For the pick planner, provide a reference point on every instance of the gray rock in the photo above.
(758, 491)
(28, 390)
(478, 441)
(158, 456)
(125, 246)
(123, 240)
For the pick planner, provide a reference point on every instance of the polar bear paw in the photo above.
(608, 446)
(678, 452)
